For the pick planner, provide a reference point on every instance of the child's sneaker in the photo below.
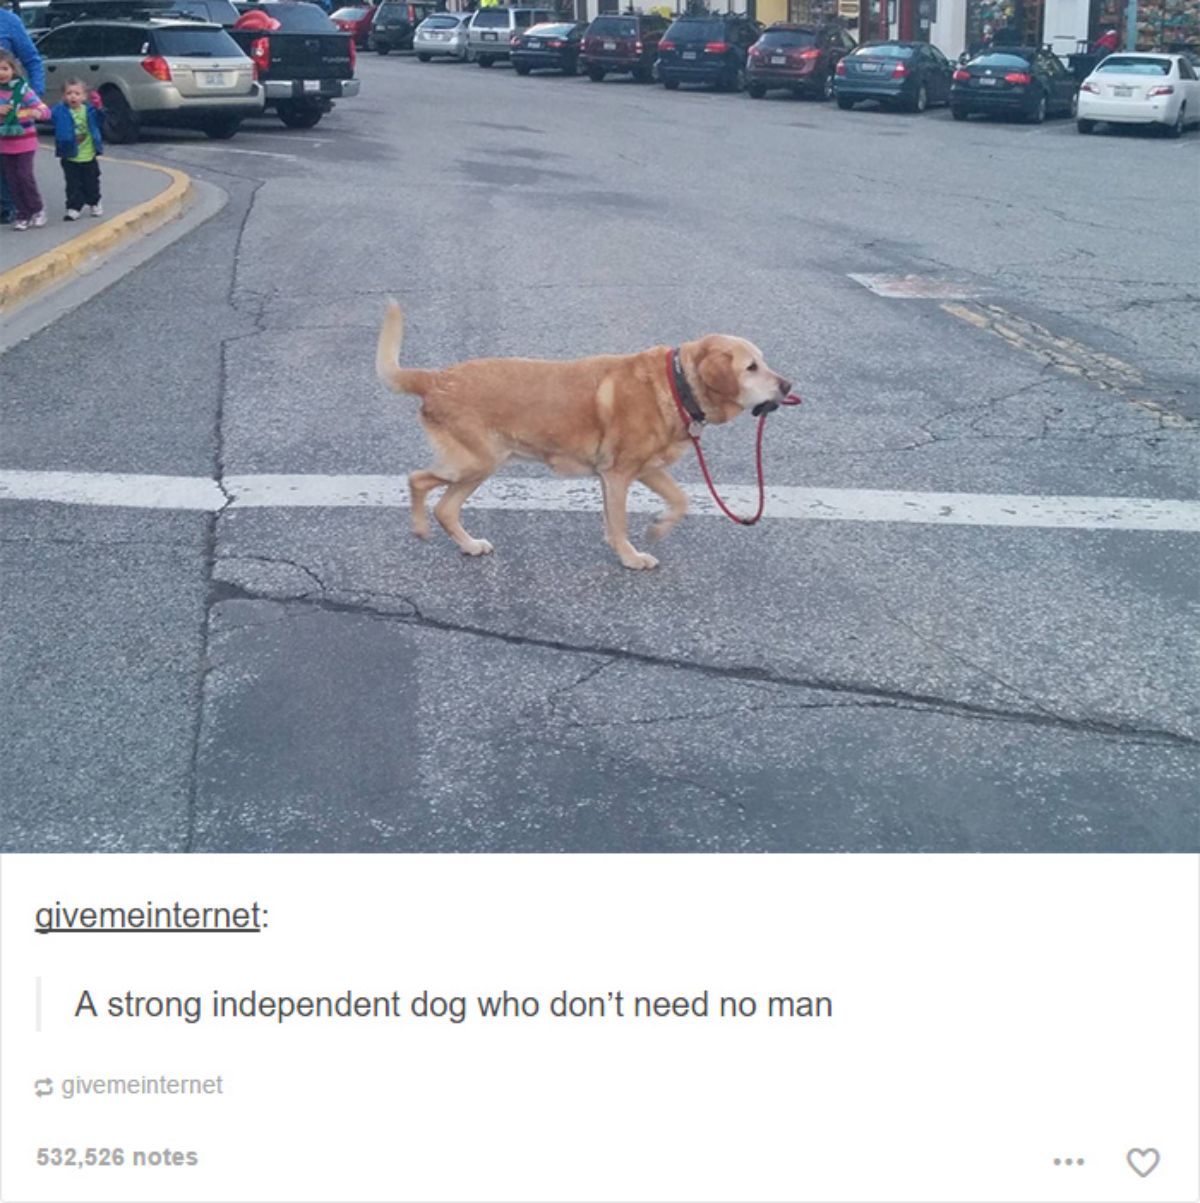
(71, 215)
(97, 210)
(20, 224)
(39, 218)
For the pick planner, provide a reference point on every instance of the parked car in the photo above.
(1013, 81)
(304, 64)
(909, 75)
(396, 23)
(708, 49)
(622, 45)
(356, 21)
(800, 58)
(442, 34)
(35, 16)
(1141, 89)
(553, 47)
(491, 31)
(155, 71)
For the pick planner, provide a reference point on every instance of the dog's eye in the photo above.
(752, 368)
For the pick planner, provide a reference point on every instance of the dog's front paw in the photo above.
(638, 560)
(477, 547)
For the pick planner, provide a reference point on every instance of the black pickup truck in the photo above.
(304, 65)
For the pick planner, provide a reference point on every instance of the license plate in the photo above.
(868, 66)
(987, 82)
(1122, 91)
(779, 59)
(489, 37)
(610, 45)
(215, 79)
(689, 54)
(312, 85)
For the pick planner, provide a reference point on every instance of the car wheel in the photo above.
(468, 55)
(595, 75)
(1084, 126)
(298, 116)
(484, 60)
(755, 91)
(523, 70)
(643, 75)
(921, 100)
(739, 80)
(222, 127)
(1176, 130)
(421, 58)
(844, 102)
(670, 84)
(1038, 115)
(385, 50)
(571, 68)
(120, 121)
(959, 114)
(827, 87)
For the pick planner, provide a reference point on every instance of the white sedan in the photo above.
(1141, 89)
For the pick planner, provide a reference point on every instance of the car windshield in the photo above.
(221, 12)
(613, 27)
(491, 18)
(884, 50)
(549, 31)
(297, 18)
(695, 31)
(440, 23)
(788, 37)
(196, 43)
(1124, 64)
(349, 14)
(1000, 60)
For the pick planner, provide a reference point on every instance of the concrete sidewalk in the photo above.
(137, 198)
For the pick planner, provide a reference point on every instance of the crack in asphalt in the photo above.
(871, 695)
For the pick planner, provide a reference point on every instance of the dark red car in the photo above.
(621, 45)
(801, 58)
(356, 21)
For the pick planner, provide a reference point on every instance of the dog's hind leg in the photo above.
(665, 485)
(616, 523)
(420, 484)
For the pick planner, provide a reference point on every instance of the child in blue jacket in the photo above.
(79, 144)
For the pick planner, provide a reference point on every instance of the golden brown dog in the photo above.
(612, 416)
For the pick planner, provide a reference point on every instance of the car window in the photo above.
(125, 41)
(220, 12)
(65, 42)
(196, 43)
(613, 27)
(296, 18)
(788, 37)
(1124, 64)
(1185, 70)
(1000, 60)
(938, 57)
(695, 31)
(523, 19)
(490, 18)
(884, 50)
(435, 22)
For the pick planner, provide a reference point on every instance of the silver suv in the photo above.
(155, 72)
(492, 29)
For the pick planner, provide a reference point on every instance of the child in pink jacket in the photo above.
(20, 107)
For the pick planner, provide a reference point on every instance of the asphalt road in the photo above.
(312, 679)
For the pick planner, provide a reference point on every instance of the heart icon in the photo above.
(1143, 1162)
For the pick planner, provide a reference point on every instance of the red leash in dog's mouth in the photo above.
(693, 432)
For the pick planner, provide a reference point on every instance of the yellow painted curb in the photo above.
(19, 284)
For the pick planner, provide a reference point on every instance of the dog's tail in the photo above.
(387, 356)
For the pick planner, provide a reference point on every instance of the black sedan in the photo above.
(1015, 82)
(910, 75)
(548, 48)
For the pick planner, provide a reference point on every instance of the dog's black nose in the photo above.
(785, 386)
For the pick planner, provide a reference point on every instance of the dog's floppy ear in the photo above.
(714, 366)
